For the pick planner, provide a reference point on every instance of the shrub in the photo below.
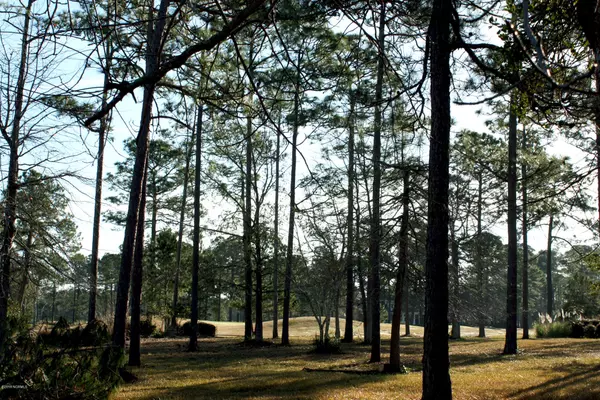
(95, 333)
(589, 331)
(147, 328)
(576, 330)
(204, 329)
(36, 371)
(327, 345)
(553, 330)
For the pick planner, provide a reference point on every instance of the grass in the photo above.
(224, 369)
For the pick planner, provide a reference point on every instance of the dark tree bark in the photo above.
(155, 31)
(247, 238)
(395, 365)
(285, 333)
(481, 275)
(20, 300)
(549, 289)
(102, 135)
(348, 329)
(180, 233)
(525, 228)
(406, 306)
(12, 184)
(510, 344)
(455, 333)
(193, 345)
(136, 284)
(258, 327)
(276, 244)
(375, 233)
(436, 377)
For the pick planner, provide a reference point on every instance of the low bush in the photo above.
(147, 328)
(204, 329)
(576, 330)
(327, 345)
(34, 369)
(589, 331)
(553, 330)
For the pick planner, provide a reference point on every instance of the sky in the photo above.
(125, 124)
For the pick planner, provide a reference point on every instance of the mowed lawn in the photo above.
(226, 369)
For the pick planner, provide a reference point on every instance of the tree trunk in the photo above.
(154, 34)
(456, 295)
(102, 137)
(193, 345)
(258, 327)
(12, 185)
(481, 279)
(248, 233)
(395, 365)
(549, 289)
(375, 232)
(361, 281)
(285, 333)
(510, 344)
(406, 307)
(276, 243)
(136, 283)
(348, 330)
(26, 265)
(180, 233)
(525, 228)
(436, 378)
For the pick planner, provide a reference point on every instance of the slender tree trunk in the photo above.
(479, 259)
(549, 289)
(102, 136)
(285, 333)
(154, 221)
(406, 306)
(154, 33)
(525, 228)
(276, 244)
(193, 345)
(361, 280)
(180, 233)
(248, 233)
(258, 328)
(336, 314)
(136, 283)
(395, 365)
(348, 330)
(12, 185)
(53, 301)
(436, 379)
(456, 295)
(26, 265)
(510, 344)
(375, 234)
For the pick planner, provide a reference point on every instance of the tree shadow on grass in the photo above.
(272, 384)
(577, 382)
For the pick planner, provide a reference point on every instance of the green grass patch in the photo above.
(553, 330)
(222, 369)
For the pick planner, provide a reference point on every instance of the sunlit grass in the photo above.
(543, 369)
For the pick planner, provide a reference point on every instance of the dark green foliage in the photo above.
(598, 331)
(553, 330)
(204, 329)
(327, 346)
(35, 370)
(95, 333)
(589, 331)
(147, 328)
(576, 330)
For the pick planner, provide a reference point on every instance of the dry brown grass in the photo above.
(223, 368)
